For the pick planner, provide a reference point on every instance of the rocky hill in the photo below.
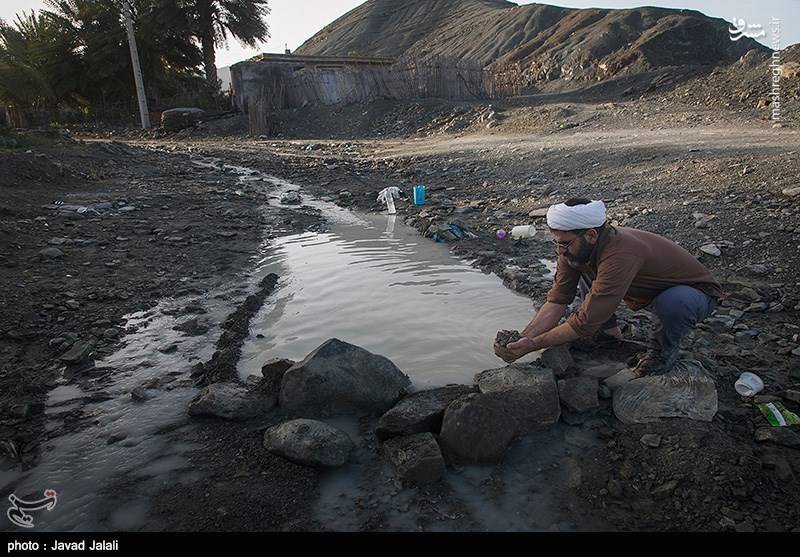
(547, 42)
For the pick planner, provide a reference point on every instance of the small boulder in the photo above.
(530, 394)
(229, 401)
(51, 253)
(415, 458)
(78, 354)
(419, 412)
(340, 378)
(579, 394)
(477, 428)
(557, 359)
(309, 443)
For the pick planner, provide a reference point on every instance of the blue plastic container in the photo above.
(419, 195)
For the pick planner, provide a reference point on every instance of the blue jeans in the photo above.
(676, 311)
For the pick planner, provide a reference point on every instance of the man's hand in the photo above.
(515, 350)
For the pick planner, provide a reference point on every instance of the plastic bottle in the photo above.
(525, 231)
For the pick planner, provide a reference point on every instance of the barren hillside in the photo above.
(548, 42)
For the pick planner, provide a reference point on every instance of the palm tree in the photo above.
(167, 49)
(215, 20)
(39, 65)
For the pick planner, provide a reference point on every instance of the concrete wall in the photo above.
(292, 82)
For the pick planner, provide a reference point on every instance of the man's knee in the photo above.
(681, 305)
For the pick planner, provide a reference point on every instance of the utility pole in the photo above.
(137, 70)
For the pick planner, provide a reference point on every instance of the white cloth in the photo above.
(579, 217)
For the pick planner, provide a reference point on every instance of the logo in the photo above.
(741, 29)
(17, 515)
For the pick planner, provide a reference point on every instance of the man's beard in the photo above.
(583, 255)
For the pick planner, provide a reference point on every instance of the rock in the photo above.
(78, 354)
(557, 359)
(573, 472)
(276, 367)
(685, 392)
(177, 119)
(579, 394)
(711, 249)
(620, 378)
(112, 333)
(192, 327)
(51, 253)
(229, 401)
(778, 435)
(792, 395)
(651, 440)
(504, 338)
(614, 488)
(269, 386)
(665, 490)
(791, 192)
(757, 269)
(539, 213)
(291, 198)
(782, 468)
(57, 241)
(309, 443)
(116, 437)
(530, 394)
(415, 458)
(139, 394)
(338, 377)
(477, 428)
(420, 412)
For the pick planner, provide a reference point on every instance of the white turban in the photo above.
(579, 217)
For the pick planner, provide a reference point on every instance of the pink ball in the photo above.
(501, 234)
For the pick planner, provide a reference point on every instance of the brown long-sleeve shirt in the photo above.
(631, 265)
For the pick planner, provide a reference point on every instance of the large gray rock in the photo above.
(530, 395)
(477, 428)
(340, 378)
(230, 401)
(176, 119)
(415, 458)
(685, 392)
(419, 412)
(309, 442)
(579, 394)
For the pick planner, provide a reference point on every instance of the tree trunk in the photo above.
(209, 59)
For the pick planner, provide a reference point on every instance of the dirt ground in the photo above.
(166, 228)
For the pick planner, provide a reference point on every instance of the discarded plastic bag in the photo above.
(449, 232)
(777, 415)
(387, 195)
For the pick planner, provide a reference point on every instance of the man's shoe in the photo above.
(651, 363)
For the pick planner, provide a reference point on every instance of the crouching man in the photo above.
(611, 264)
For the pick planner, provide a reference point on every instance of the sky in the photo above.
(293, 21)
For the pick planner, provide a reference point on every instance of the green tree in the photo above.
(215, 20)
(167, 51)
(39, 65)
